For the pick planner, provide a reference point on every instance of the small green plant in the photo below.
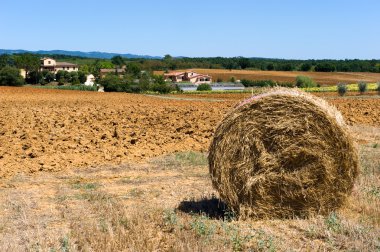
(374, 192)
(264, 242)
(362, 86)
(378, 87)
(65, 244)
(204, 87)
(333, 222)
(85, 186)
(305, 82)
(170, 217)
(342, 89)
(375, 145)
(233, 79)
(201, 226)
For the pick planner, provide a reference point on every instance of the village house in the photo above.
(192, 77)
(54, 66)
(119, 71)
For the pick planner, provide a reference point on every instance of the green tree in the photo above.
(144, 82)
(84, 68)
(118, 62)
(113, 83)
(6, 60)
(305, 67)
(325, 67)
(10, 76)
(82, 76)
(270, 67)
(133, 69)
(168, 57)
(34, 77)
(67, 76)
(158, 79)
(74, 78)
(60, 76)
(244, 63)
(27, 61)
(49, 77)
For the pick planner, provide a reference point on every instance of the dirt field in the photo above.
(50, 130)
(286, 76)
(84, 171)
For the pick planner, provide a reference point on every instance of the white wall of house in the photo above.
(68, 69)
(49, 62)
(23, 73)
(90, 80)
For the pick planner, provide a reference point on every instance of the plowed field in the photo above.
(51, 130)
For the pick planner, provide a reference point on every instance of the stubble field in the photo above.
(112, 171)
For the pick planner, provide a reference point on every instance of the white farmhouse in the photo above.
(54, 66)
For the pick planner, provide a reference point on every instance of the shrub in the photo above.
(342, 89)
(10, 76)
(233, 79)
(113, 83)
(204, 87)
(162, 88)
(49, 77)
(305, 82)
(258, 83)
(378, 87)
(362, 86)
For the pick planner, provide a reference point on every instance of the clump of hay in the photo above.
(283, 154)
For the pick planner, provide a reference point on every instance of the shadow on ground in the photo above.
(212, 207)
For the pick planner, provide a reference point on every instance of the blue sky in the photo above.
(291, 29)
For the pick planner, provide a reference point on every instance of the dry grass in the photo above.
(168, 204)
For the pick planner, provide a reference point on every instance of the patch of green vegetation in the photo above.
(202, 226)
(170, 217)
(74, 87)
(192, 158)
(333, 222)
(85, 186)
(135, 192)
(265, 242)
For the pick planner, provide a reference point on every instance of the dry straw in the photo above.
(283, 154)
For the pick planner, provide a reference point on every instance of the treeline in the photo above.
(171, 63)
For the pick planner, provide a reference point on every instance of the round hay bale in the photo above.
(283, 154)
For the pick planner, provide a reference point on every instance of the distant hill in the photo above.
(97, 55)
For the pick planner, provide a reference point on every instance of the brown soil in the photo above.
(52, 130)
(287, 76)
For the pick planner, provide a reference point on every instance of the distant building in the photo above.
(188, 77)
(90, 81)
(104, 71)
(23, 73)
(54, 66)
